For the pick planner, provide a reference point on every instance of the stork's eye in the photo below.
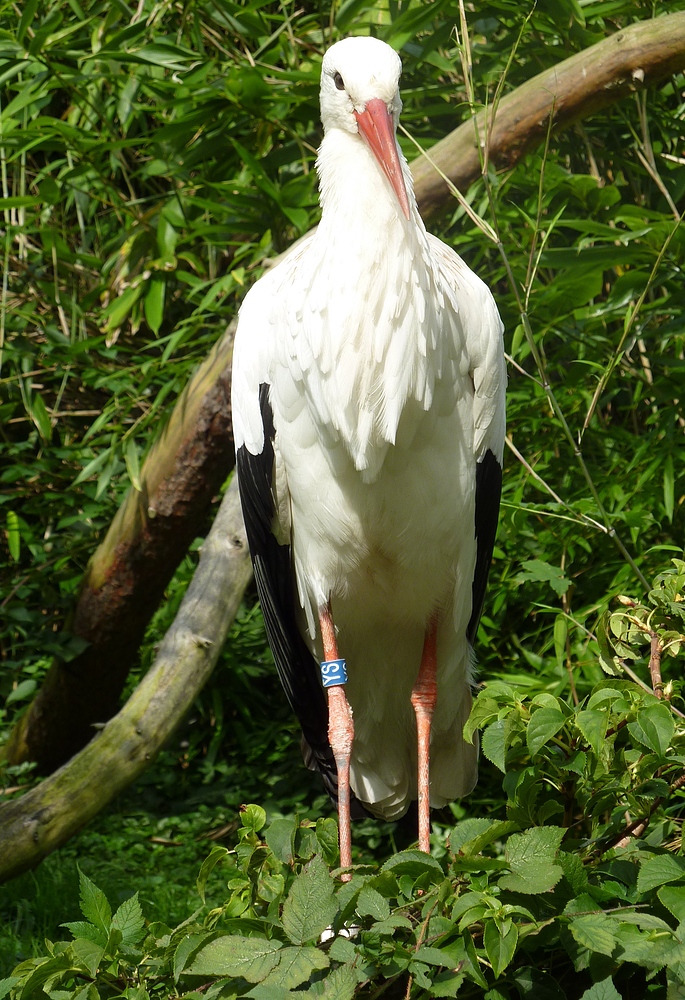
(338, 81)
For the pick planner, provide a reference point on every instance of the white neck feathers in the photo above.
(371, 334)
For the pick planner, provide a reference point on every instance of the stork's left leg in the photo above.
(340, 737)
(423, 697)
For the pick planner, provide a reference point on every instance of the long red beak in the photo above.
(376, 126)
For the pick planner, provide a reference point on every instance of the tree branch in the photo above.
(126, 577)
(53, 811)
(576, 88)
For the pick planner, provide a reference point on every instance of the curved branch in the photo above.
(576, 88)
(126, 577)
(53, 811)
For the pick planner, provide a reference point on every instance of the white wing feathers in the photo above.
(257, 346)
(255, 349)
(478, 314)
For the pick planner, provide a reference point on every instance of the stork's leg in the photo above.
(340, 736)
(423, 697)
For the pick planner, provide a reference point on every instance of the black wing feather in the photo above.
(297, 668)
(488, 490)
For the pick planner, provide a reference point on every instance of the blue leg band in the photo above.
(333, 672)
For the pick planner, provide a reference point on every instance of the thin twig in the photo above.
(635, 829)
(655, 650)
(584, 518)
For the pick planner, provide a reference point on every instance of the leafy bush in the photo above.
(154, 157)
(576, 889)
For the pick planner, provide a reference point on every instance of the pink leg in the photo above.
(423, 697)
(340, 736)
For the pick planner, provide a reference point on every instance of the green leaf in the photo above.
(500, 945)
(574, 872)
(234, 955)
(673, 898)
(306, 843)
(560, 639)
(87, 954)
(13, 535)
(654, 728)
(607, 659)
(540, 843)
(187, 946)
(117, 310)
(466, 831)
(41, 418)
(24, 689)
(532, 877)
(311, 905)
(517, 339)
(295, 966)
(94, 904)
(270, 887)
(604, 990)
(370, 903)
(341, 984)
(129, 920)
(493, 744)
(544, 724)
(253, 817)
(541, 571)
(93, 466)
(669, 487)
(19, 201)
(659, 870)
(530, 856)
(342, 950)
(8, 984)
(648, 949)
(48, 968)
(84, 929)
(414, 864)
(216, 854)
(645, 921)
(262, 991)
(592, 724)
(154, 303)
(433, 956)
(327, 836)
(281, 839)
(471, 836)
(132, 459)
(484, 709)
(27, 16)
(594, 931)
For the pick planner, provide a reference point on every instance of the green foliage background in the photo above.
(153, 156)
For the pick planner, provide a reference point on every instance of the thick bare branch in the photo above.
(632, 59)
(126, 577)
(53, 811)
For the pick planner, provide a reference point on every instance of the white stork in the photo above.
(368, 413)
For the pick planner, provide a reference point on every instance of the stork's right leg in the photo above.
(340, 736)
(423, 698)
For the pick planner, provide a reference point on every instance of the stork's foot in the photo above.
(423, 697)
(340, 733)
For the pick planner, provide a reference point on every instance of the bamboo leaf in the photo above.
(132, 459)
(13, 534)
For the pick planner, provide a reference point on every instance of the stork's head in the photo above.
(360, 94)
